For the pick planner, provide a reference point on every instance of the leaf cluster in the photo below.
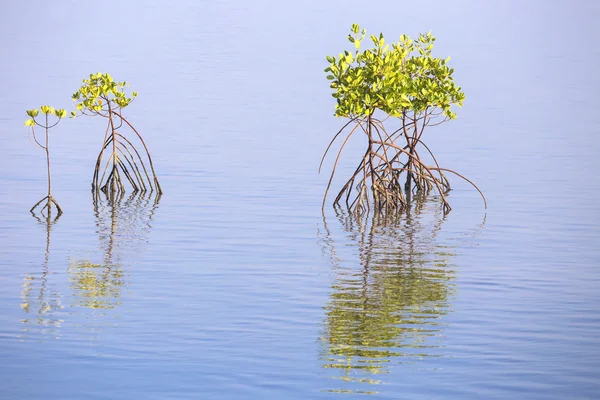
(101, 93)
(45, 110)
(392, 77)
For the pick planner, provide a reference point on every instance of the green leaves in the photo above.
(394, 78)
(47, 111)
(101, 93)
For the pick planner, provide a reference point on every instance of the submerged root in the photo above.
(125, 163)
(388, 175)
(47, 207)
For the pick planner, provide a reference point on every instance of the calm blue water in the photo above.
(232, 285)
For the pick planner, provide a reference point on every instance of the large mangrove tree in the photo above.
(391, 93)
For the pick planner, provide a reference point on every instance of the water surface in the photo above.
(233, 284)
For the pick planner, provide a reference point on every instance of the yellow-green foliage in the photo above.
(97, 92)
(395, 78)
(46, 110)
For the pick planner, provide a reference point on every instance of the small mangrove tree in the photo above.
(120, 160)
(47, 124)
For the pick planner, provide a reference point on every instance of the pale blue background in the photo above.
(225, 290)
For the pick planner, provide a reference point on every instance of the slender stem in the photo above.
(370, 135)
(48, 161)
(114, 138)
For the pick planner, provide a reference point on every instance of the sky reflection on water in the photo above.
(225, 289)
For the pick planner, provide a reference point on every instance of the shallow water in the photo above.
(232, 284)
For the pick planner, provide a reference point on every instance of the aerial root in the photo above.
(124, 164)
(388, 174)
(48, 206)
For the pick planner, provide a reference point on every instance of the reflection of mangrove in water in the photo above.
(389, 310)
(123, 224)
(96, 285)
(39, 300)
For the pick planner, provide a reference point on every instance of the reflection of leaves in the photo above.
(98, 286)
(122, 224)
(389, 310)
(387, 316)
(44, 305)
